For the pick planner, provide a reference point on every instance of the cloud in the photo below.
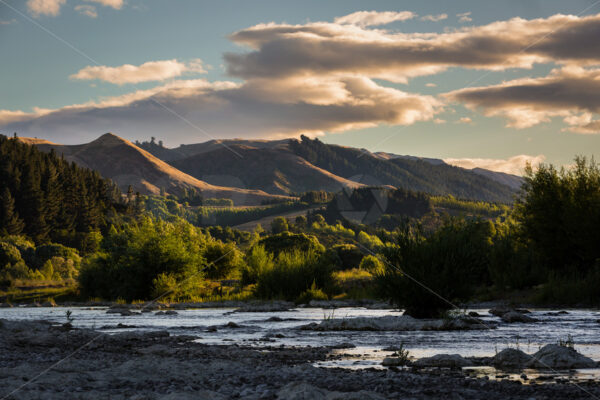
(434, 18)
(430, 84)
(8, 22)
(89, 11)
(513, 165)
(374, 18)
(464, 17)
(282, 50)
(149, 71)
(572, 93)
(50, 8)
(439, 121)
(116, 4)
(227, 109)
(464, 120)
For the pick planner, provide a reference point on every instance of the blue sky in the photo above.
(46, 43)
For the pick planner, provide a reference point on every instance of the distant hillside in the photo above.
(512, 181)
(274, 169)
(127, 164)
(416, 175)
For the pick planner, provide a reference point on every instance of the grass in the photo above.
(40, 293)
(354, 283)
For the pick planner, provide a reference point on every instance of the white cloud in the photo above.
(149, 71)
(116, 4)
(280, 50)
(513, 165)
(434, 18)
(464, 17)
(89, 11)
(430, 84)
(227, 109)
(572, 93)
(439, 121)
(374, 18)
(464, 120)
(8, 22)
(50, 8)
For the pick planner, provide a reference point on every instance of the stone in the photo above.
(511, 359)
(453, 361)
(393, 362)
(516, 316)
(559, 357)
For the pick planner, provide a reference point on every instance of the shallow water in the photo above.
(255, 329)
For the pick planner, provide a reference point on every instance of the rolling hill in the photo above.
(294, 166)
(126, 164)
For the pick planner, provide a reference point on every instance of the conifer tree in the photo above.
(10, 223)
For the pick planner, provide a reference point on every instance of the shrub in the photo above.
(289, 242)
(346, 256)
(222, 259)
(257, 261)
(313, 293)
(424, 275)
(372, 264)
(279, 225)
(292, 274)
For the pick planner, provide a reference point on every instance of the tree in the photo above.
(279, 225)
(559, 213)
(10, 223)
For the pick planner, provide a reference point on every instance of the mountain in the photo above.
(273, 169)
(293, 166)
(126, 164)
(510, 180)
(417, 175)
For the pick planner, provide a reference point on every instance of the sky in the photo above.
(476, 83)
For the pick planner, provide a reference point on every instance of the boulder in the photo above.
(454, 361)
(516, 316)
(559, 357)
(270, 306)
(511, 359)
(393, 362)
(395, 323)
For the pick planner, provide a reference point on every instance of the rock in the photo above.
(305, 391)
(511, 359)
(168, 312)
(301, 391)
(500, 311)
(49, 304)
(200, 395)
(454, 361)
(270, 306)
(5, 305)
(345, 345)
(393, 362)
(559, 357)
(473, 314)
(232, 324)
(394, 323)
(516, 316)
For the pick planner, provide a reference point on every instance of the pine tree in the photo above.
(10, 223)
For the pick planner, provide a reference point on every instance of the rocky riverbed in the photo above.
(43, 360)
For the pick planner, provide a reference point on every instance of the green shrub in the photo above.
(313, 293)
(257, 261)
(372, 264)
(292, 274)
(289, 242)
(425, 274)
(222, 259)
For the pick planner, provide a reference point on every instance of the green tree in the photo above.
(279, 225)
(10, 223)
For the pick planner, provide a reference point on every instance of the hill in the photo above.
(126, 164)
(273, 169)
(416, 175)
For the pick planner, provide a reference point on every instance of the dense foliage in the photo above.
(48, 199)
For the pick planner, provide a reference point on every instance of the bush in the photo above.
(289, 242)
(346, 256)
(313, 293)
(424, 275)
(222, 259)
(292, 274)
(279, 225)
(133, 258)
(372, 265)
(257, 261)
